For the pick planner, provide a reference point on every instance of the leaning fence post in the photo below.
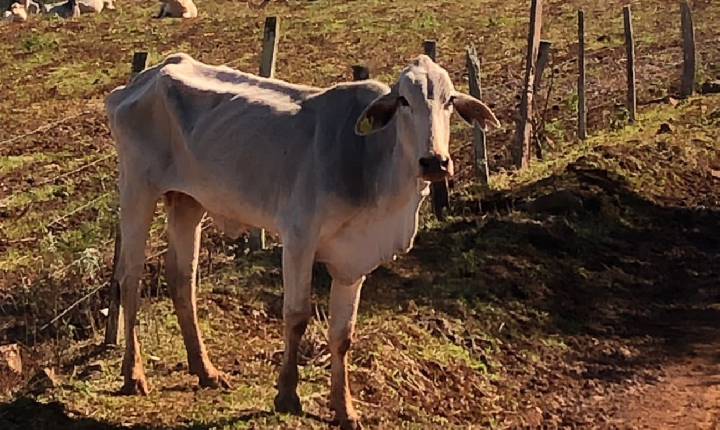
(687, 86)
(523, 132)
(360, 73)
(581, 111)
(479, 139)
(630, 52)
(114, 325)
(439, 191)
(256, 238)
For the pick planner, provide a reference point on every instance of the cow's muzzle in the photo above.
(436, 167)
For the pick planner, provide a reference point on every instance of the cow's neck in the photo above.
(397, 182)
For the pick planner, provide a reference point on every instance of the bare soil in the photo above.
(585, 296)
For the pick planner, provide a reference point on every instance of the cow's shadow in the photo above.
(611, 263)
(598, 258)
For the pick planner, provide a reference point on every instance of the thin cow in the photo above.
(338, 173)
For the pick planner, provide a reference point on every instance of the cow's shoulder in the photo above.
(348, 165)
(347, 95)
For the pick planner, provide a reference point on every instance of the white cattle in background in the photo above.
(64, 9)
(177, 9)
(17, 13)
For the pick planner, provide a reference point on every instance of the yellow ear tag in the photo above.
(366, 125)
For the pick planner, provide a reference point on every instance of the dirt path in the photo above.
(687, 393)
(687, 398)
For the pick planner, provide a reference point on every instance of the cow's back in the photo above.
(234, 141)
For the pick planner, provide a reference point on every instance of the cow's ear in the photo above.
(377, 115)
(471, 109)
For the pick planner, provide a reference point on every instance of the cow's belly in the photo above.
(230, 212)
(368, 241)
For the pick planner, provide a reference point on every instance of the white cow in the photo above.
(64, 9)
(95, 6)
(338, 173)
(177, 9)
(71, 7)
(17, 13)
(32, 7)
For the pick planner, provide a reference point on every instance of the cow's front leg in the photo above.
(298, 257)
(344, 299)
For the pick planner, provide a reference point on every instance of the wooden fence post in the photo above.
(630, 52)
(687, 86)
(139, 63)
(542, 59)
(256, 238)
(581, 111)
(439, 191)
(482, 173)
(360, 73)
(523, 133)
(114, 324)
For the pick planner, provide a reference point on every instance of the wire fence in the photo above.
(514, 84)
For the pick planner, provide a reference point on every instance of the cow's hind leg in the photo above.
(344, 299)
(298, 256)
(136, 213)
(184, 217)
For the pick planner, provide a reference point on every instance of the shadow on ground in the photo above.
(27, 413)
(624, 282)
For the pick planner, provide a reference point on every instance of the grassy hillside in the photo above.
(496, 319)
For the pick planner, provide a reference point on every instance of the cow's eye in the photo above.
(403, 101)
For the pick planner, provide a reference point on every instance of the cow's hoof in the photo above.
(288, 404)
(216, 380)
(348, 424)
(135, 386)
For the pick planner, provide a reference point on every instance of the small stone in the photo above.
(42, 381)
(711, 87)
(412, 307)
(558, 202)
(666, 128)
(91, 370)
(105, 312)
(10, 358)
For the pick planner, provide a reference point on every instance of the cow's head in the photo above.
(423, 99)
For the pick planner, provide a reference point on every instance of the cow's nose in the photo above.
(435, 167)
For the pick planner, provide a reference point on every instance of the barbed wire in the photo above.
(78, 209)
(205, 223)
(55, 178)
(45, 127)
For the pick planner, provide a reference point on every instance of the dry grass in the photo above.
(464, 330)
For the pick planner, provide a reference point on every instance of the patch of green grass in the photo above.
(14, 162)
(35, 42)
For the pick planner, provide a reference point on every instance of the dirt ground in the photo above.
(583, 293)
